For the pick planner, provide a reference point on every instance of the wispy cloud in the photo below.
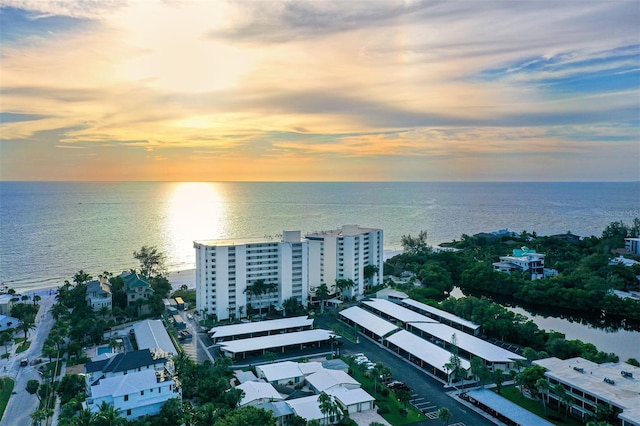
(331, 85)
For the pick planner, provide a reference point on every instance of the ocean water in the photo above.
(50, 230)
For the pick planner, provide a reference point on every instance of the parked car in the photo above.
(24, 362)
(397, 385)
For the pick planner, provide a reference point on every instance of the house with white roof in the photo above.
(135, 394)
(523, 259)
(256, 393)
(352, 400)
(391, 295)
(309, 409)
(620, 260)
(151, 334)
(7, 322)
(280, 373)
(327, 379)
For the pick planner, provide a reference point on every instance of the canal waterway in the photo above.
(606, 336)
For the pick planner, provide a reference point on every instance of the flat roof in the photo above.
(441, 313)
(507, 408)
(237, 241)
(259, 326)
(396, 311)
(369, 321)
(469, 343)
(625, 392)
(428, 352)
(151, 334)
(276, 341)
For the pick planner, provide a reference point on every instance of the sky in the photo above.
(181, 90)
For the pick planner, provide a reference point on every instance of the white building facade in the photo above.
(632, 245)
(343, 254)
(225, 268)
(136, 394)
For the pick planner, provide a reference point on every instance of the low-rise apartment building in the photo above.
(612, 385)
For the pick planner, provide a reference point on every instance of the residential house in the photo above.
(256, 393)
(280, 373)
(99, 294)
(7, 322)
(138, 289)
(352, 400)
(126, 363)
(326, 379)
(6, 303)
(623, 261)
(632, 245)
(135, 395)
(524, 260)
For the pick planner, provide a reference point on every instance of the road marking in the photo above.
(432, 415)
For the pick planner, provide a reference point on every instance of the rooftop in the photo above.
(350, 396)
(260, 326)
(125, 384)
(326, 379)
(276, 340)
(441, 313)
(280, 370)
(151, 334)
(254, 391)
(344, 231)
(432, 354)
(589, 377)
(469, 343)
(507, 408)
(396, 311)
(368, 320)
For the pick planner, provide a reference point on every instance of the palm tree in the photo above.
(322, 293)
(326, 405)
(445, 415)
(28, 323)
(81, 277)
(108, 415)
(368, 272)
(84, 418)
(343, 285)
(36, 299)
(270, 288)
(5, 338)
(257, 289)
(543, 387)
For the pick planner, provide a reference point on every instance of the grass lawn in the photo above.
(6, 387)
(391, 402)
(342, 330)
(536, 407)
(23, 347)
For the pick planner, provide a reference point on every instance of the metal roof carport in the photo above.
(280, 341)
(423, 353)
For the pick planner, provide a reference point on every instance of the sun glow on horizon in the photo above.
(195, 210)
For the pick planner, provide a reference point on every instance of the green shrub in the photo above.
(383, 409)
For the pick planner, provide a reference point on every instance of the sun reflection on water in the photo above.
(195, 211)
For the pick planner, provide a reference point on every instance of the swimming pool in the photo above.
(104, 350)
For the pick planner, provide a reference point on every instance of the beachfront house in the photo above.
(127, 363)
(99, 294)
(138, 290)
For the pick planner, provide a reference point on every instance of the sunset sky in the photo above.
(320, 91)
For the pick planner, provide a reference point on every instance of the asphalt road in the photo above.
(22, 404)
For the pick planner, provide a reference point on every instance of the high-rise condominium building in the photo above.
(225, 268)
(344, 253)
